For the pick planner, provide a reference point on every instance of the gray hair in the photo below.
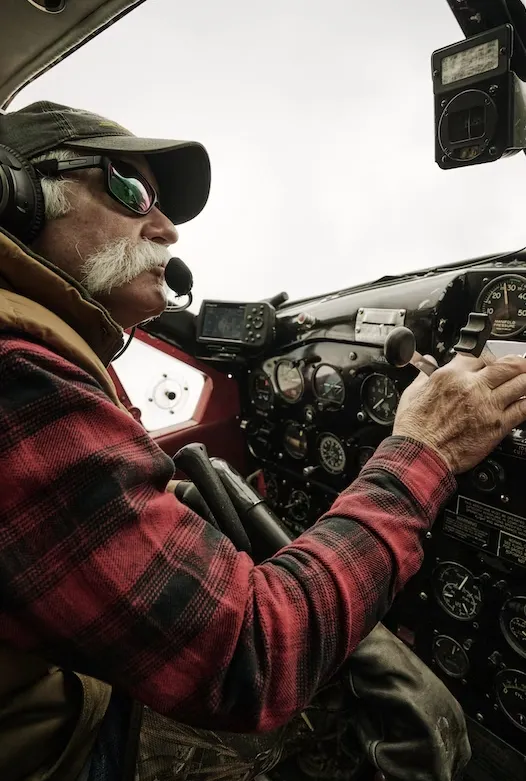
(55, 188)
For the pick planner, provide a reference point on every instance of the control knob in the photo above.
(488, 476)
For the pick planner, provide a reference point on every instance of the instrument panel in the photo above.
(315, 413)
(323, 414)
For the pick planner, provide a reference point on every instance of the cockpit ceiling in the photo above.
(32, 41)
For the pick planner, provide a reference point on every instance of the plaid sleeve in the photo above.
(103, 571)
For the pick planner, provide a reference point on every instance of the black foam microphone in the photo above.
(178, 277)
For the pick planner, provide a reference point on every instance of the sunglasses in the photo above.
(124, 183)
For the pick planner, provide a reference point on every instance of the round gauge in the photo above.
(258, 434)
(450, 656)
(257, 444)
(457, 591)
(380, 398)
(364, 454)
(298, 505)
(260, 390)
(328, 385)
(289, 381)
(332, 454)
(271, 490)
(510, 687)
(504, 301)
(513, 624)
(295, 440)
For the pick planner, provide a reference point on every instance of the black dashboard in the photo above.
(316, 406)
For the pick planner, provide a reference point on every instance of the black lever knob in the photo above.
(399, 346)
(474, 335)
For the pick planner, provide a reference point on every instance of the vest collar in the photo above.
(26, 273)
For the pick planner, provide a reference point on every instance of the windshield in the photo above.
(318, 117)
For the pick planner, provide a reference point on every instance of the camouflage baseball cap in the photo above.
(182, 168)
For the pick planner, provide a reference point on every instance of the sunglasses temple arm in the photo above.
(54, 167)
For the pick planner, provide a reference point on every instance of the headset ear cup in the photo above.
(39, 207)
(22, 207)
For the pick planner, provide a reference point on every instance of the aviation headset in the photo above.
(22, 208)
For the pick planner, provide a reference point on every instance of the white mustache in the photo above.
(119, 262)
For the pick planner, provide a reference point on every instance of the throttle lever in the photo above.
(193, 460)
(473, 337)
(400, 350)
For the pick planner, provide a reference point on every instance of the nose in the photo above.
(157, 227)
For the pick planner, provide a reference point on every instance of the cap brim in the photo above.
(182, 169)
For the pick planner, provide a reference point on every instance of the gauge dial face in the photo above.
(450, 656)
(298, 505)
(258, 444)
(261, 392)
(295, 440)
(510, 688)
(289, 381)
(380, 398)
(513, 624)
(457, 591)
(504, 301)
(258, 433)
(332, 454)
(328, 385)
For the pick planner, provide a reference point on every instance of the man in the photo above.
(103, 571)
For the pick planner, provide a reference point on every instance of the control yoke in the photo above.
(220, 495)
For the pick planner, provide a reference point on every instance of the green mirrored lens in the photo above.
(130, 191)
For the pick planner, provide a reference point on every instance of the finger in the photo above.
(420, 379)
(430, 359)
(510, 391)
(515, 414)
(425, 364)
(465, 363)
(502, 370)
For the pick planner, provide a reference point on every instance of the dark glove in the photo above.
(406, 720)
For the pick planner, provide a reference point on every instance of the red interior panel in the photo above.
(216, 419)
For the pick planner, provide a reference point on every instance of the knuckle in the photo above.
(516, 362)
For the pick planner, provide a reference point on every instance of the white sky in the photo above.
(318, 117)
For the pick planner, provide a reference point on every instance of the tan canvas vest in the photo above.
(49, 717)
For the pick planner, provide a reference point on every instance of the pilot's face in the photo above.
(117, 255)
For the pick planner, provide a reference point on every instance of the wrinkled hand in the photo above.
(464, 409)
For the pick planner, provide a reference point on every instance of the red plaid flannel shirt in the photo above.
(104, 572)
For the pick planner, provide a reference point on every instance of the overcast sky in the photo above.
(318, 117)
